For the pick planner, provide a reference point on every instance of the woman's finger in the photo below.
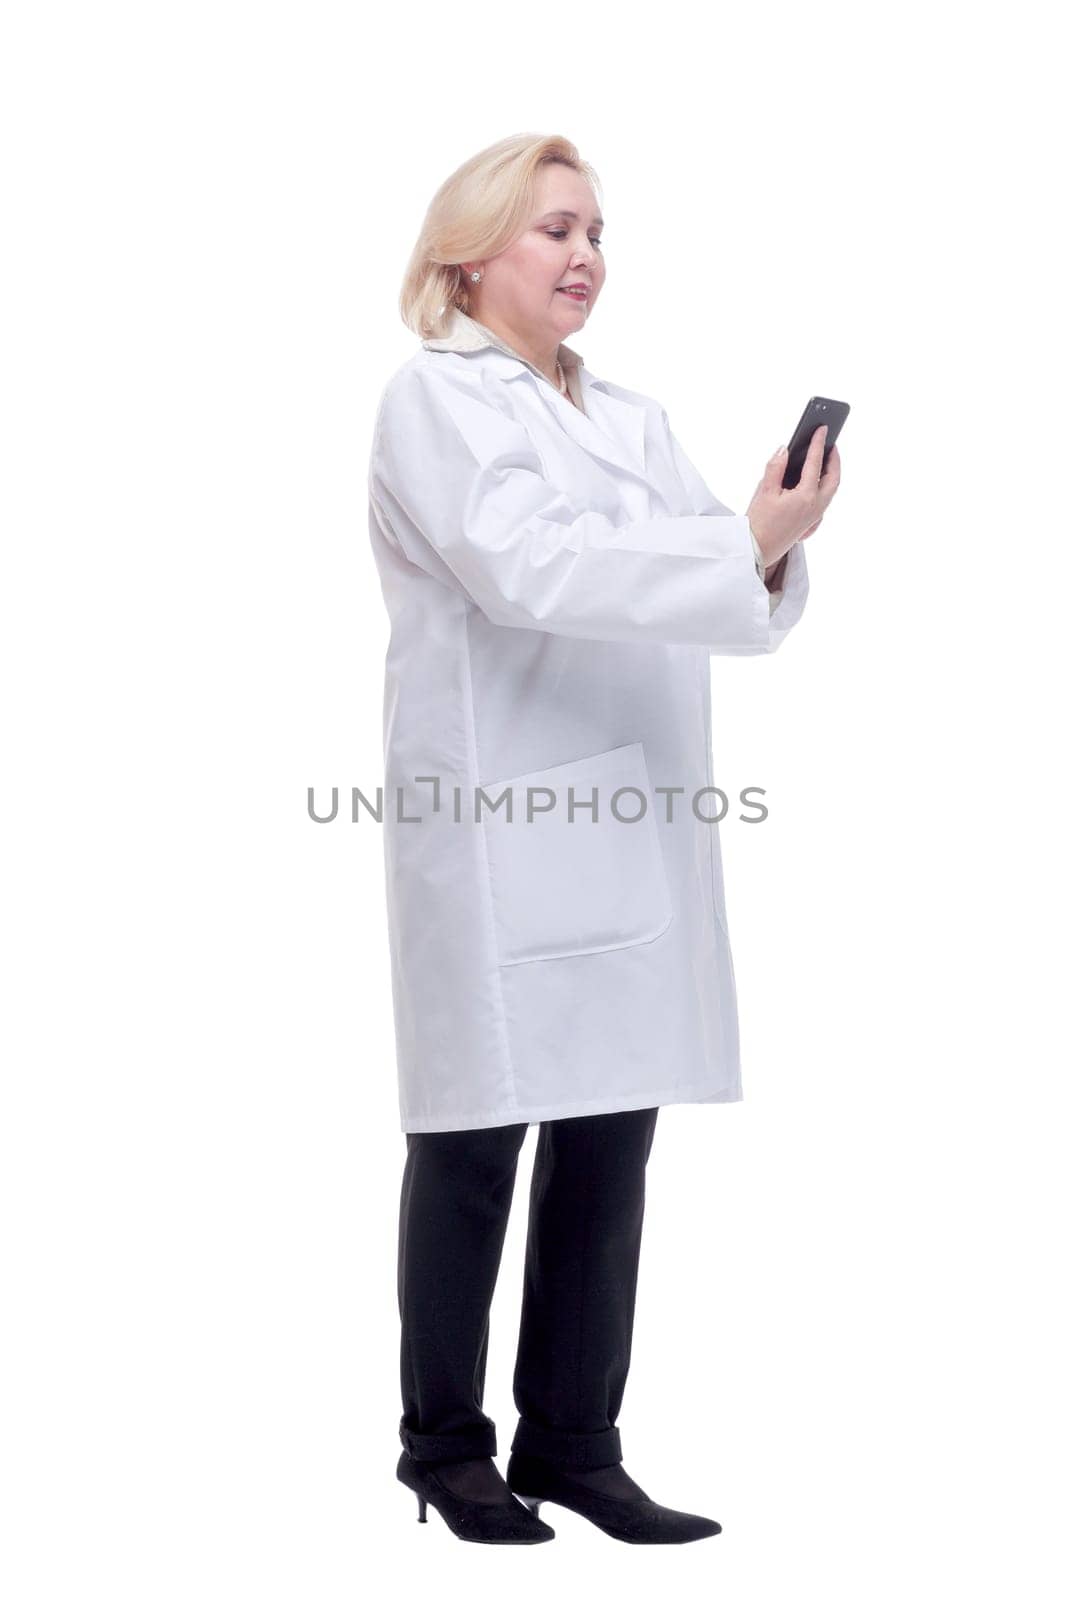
(813, 462)
(832, 476)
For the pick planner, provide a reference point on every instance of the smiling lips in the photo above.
(579, 292)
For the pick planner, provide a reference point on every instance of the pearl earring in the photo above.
(475, 277)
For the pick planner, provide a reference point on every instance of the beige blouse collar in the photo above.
(464, 334)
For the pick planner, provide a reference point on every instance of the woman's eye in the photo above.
(561, 233)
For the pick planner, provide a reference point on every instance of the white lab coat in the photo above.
(556, 580)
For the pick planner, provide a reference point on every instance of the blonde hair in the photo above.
(477, 212)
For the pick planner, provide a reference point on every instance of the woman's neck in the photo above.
(544, 357)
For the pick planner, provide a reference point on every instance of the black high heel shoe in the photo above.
(475, 1520)
(634, 1518)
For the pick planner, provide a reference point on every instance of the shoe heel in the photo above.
(531, 1502)
(422, 1505)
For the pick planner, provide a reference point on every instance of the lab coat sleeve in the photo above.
(761, 568)
(791, 583)
(460, 487)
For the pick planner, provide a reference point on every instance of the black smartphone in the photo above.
(817, 411)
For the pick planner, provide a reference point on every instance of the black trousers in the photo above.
(583, 1242)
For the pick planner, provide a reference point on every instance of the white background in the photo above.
(849, 1328)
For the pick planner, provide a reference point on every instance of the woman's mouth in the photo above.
(575, 294)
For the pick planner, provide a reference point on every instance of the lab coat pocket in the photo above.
(565, 887)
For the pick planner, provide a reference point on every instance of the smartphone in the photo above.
(817, 411)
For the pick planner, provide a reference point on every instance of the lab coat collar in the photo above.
(611, 428)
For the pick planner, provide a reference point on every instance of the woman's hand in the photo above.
(779, 517)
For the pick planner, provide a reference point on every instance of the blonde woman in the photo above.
(556, 573)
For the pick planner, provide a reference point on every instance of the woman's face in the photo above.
(521, 288)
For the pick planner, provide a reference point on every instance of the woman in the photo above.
(557, 573)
